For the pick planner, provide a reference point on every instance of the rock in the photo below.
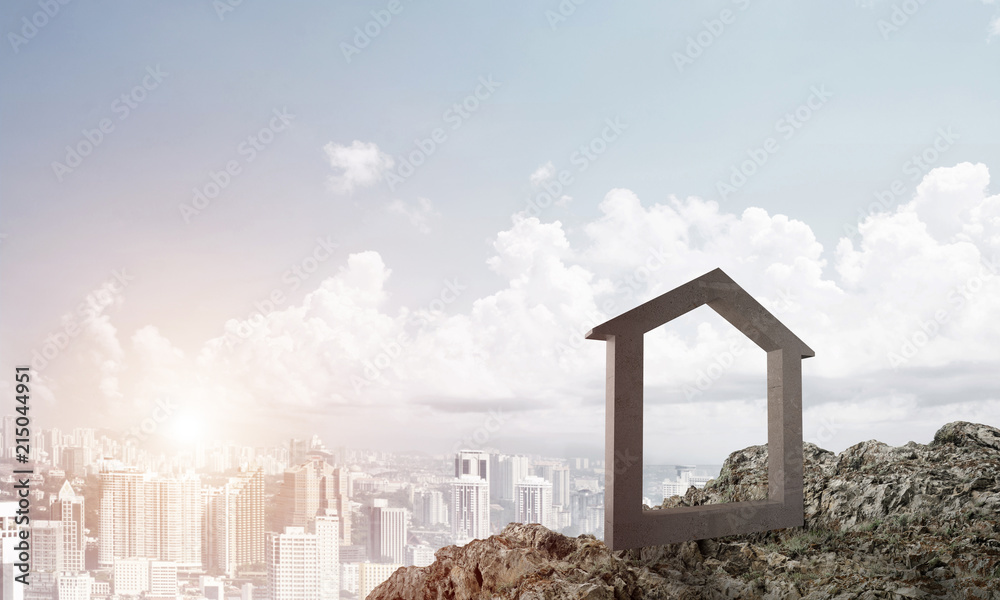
(917, 521)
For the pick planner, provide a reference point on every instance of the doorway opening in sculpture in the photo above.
(705, 396)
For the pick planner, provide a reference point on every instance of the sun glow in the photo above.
(186, 427)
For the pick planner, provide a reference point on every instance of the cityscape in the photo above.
(110, 519)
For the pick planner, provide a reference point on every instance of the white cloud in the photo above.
(360, 165)
(995, 26)
(542, 178)
(543, 174)
(346, 358)
(418, 214)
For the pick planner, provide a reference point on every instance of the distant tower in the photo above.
(386, 533)
(534, 501)
(560, 486)
(68, 509)
(312, 487)
(327, 528)
(473, 462)
(470, 508)
(293, 570)
(146, 516)
(234, 523)
(510, 471)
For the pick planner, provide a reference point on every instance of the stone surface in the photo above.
(917, 521)
(626, 526)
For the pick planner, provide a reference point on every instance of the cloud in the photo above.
(542, 178)
(918, 283)
(360, 165)
(995, 26)
(418, 215)
(543, 174)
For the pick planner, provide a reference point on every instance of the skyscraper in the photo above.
(386, 533)
(534, 501)
(560, 486)
(328, 546)
(430, 508)
(68, 509)
(293, 570)
(234, 523)
(473, 462)
(511, 470)
(146, 516)
(470, 508)
(122, 531)
(313, 487)
(8, 448)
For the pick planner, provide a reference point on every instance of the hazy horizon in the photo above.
(393, 228)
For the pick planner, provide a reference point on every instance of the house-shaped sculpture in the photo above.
(627, 525)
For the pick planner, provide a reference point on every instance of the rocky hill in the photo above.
(917, 521)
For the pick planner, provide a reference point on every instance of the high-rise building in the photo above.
(470, 508)
(292, 559)
(560, 486)
(313, 487)
(147, 516)
(685, 479)
(8, 448)
(386, 532)
(47, 546)
(9, 587)
(371, 575)
(510, 470)
(74, 462)
(473, 462)
(430, 508)
(68, 509)
(234, 523)
(328, 545)
(534, 501)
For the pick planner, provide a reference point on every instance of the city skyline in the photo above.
(395, 228)
(292, 522)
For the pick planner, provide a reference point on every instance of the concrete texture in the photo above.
(626, 524)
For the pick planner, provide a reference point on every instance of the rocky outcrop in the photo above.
(917, 521)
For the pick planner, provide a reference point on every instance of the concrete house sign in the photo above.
(626, 524)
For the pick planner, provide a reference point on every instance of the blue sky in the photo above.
(692, 92)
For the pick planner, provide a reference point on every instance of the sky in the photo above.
(391, 223)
